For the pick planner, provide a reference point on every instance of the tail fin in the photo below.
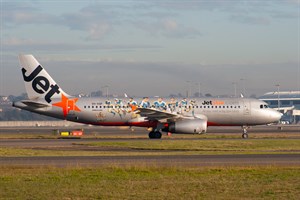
(38, 83)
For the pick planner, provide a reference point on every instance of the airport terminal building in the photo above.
(287, 102)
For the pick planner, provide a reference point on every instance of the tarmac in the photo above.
(113, 134)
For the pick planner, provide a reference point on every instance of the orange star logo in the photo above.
(67, 104)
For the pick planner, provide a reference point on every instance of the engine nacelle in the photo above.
(188, 126)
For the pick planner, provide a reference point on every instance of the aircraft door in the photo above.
(247, 108)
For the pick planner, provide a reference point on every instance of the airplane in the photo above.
(187, 116)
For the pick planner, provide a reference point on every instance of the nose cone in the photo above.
(275, 116)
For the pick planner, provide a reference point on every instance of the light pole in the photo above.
(234, 87)
(243, 84)
(189, 91)
(106, 86)
(278, 85)
(199, 88)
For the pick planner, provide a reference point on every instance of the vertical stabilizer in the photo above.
(38, 83)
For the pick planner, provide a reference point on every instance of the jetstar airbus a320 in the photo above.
(187, 116)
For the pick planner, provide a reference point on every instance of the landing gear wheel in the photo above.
(155, 135)
(245, 135)
(245, 132)
(151, 135)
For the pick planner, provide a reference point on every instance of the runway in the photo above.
(112, 135)
(123, 131)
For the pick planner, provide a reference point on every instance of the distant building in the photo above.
(4, 99)
(287, 102)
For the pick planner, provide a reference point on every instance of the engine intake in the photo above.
(188, 126)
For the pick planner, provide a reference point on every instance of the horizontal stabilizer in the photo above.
(35, 104)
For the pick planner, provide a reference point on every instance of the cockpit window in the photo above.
(264, 106)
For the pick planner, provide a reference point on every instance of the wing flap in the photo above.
(153, 114)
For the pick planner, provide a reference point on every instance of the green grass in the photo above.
(142, 182)
(209, 145)
(162, 147)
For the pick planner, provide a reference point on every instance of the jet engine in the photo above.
(188, 126)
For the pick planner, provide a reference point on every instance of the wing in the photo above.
(153, 114)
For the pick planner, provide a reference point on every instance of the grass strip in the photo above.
(162, 147)
(142, 182)
(267, 145)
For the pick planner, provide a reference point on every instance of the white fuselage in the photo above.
(219, 112)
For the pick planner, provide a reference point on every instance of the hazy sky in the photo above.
(154, 47)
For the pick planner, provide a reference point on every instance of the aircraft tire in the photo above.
(155, 135)
(151, 135)
(245, 136)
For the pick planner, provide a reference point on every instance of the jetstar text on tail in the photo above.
(41, 84)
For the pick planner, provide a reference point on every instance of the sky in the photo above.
(154, 48)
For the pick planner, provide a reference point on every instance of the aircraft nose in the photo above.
(275, 116)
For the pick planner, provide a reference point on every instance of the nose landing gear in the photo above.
(245, 132)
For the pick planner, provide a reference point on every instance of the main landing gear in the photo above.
(155, 135)
(155, 132)
(245, 132)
